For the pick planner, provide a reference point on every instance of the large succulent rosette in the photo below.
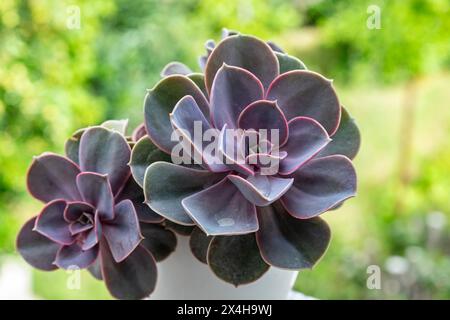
(94, 216)
(248, 218)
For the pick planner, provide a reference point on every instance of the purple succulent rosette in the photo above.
(94, 216)
(246, 221)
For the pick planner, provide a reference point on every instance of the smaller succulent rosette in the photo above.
(93, 216)
(247, 218)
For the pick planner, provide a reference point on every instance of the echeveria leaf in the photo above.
(236, 259)
(231, 147)
(51, 177)
(346, 140)
(133, 278)
(73, 256)
(289, 63)
(233, 89)
(72, 146)
(105, 152)
(202, 62)
(246, 52)
(265, 115)
(320, 185)
(199, 243)
(159, 103)
(96, 191)
(275, 47)
(96, 269)
(261, 190)
(268, 164)
(139, 132)
(93, 236)
(51, 223)
(132, 191)
(160, 241)
(199, 80)
(306, 93)
(144, 154)
(186, 118)
(118, 125)
(306, 138)
(175, 68)
(167, 184)
(75, 209)
(37, 250)
(123, 233)
(78, 227)
(178, 228)
(221, 210)
(290, 243)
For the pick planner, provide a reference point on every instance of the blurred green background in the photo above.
(395, 80)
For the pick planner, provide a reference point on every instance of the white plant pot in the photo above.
(182, 277)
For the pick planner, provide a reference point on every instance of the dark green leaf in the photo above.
(236, 259)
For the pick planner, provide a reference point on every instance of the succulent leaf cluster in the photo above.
(114, 202)
(245, 219)
(94, 216)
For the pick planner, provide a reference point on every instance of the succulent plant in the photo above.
(94, 216)
(245, 219)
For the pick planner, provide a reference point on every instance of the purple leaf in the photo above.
(134, 192)
(233, 89)
(96, 190)
(346, 140)
(185, 117)
(308, 94)
(175, 68)
(51, 177)
(37, 250)
(78, 227)
(261, 190)
(289, 243)
(75, 209)
(94, 235)
(123, 233)
(231, 148)
(51, 223)
(221, 209)
(96, 269)
(246, 52)
(202, 62)
(265, 115)
(268, 164)
(160, 241)
(159, 103)
(306, 138)
(275, 47)
(133, 278)
(73, 256)
(139, 132)
(320, 185)
(105, 152)
(174, 184)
